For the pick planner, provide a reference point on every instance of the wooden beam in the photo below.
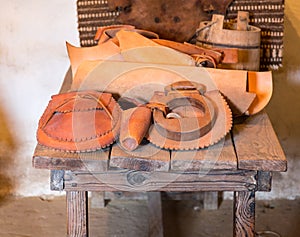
(77, 214)
(244, 214)
(124, 180)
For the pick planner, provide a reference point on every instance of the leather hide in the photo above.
(172, 19)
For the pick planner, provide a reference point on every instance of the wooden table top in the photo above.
(251, 145)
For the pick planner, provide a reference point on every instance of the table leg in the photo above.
(244, 214)
(77, 214)
(155, 214)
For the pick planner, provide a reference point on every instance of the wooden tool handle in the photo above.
(134, 125)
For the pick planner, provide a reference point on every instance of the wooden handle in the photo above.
(134, 125)
(242, 20)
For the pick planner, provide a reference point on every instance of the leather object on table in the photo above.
(80, 121)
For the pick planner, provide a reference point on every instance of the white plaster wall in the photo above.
(33, 61)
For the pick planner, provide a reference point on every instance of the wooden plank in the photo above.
(77, 214)
(244, 214)
(155, 215)
(220, 156)
(139, 181)
(257, 145)
(45, 158)
(146, 157)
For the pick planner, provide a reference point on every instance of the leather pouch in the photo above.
(80, 121)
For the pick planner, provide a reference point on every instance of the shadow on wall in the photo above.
(7, 149)
(284, 108)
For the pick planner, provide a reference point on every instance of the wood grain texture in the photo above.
(45, 158)
(257, 145)
(77, 214)
(155, 215)
(220, 156)
(244, 214)
(134, 181)
(146, 157)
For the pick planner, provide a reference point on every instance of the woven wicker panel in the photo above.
(266, 14)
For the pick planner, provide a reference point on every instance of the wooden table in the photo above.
(243, 163)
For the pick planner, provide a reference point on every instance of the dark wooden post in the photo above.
(77, 214)
(244, 214)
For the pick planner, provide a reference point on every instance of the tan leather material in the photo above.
(215, 57)
(148, 34)
(104, 51)
(233, 85)
(129, 40)
(80, 121)
(137, 48)
(261, 84)
(101, 36)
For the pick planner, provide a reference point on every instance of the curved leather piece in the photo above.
(80, 121)
(192, 119)
(185, 128)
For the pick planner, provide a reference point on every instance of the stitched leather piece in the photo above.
(80, 121)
